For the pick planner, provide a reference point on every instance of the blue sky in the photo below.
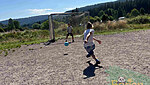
(25, 8)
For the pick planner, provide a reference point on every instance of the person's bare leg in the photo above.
(96, 59)
(72, 38)
(93, 56)
(66, 38)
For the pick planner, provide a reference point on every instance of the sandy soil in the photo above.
(56, 64)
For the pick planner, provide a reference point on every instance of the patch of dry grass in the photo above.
(110, 25)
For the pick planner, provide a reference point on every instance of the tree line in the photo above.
(114, 10)
(12, 25)
(15, 25)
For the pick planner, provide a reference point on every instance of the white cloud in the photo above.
(69, 8)
(53, 12)
(42, 11)
(39, 11)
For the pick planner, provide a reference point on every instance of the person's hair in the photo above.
(89, 25)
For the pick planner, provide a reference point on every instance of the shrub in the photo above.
(105, 18)
(139, 20)
(110, 25)
(36, 26)
(99, 26)
(2, 30)
(134, 13)
(122, 24)
(45, 25)
(26, 35)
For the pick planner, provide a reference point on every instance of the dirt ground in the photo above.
(56, 64)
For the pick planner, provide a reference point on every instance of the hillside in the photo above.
(121, 0)
(86, 8)
(29, 20)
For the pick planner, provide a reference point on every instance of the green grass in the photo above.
(116, 72)
(116, 31)
(16, 39)
(6, 52)
(10, 45)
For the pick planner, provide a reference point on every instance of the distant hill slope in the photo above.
(121, 0)
(29, 20)
(86, 8)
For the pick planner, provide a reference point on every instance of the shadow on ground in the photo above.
(65, 53)
(89, 71)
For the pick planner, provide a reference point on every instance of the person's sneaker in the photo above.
(88, 55)
(97, 62)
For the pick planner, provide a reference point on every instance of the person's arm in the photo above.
(97, 40)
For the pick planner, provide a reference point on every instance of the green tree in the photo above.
(11, 25)
(92, 19)
(120, 12)
(128, 15)
(96, 18)
(101, 13)
(104, 18)
(45, 25)
(142, 11)
(36, 26)
(17, 25)
(110, 18)
(122, 7)
(1, 29)
(134, 13)
(1, 25)
(115, 14)
(109, 11)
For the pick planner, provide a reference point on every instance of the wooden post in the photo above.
(51, 28)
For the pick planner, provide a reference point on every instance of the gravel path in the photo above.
(56, 64)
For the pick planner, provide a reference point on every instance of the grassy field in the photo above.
(15, 39)
(106, 32)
